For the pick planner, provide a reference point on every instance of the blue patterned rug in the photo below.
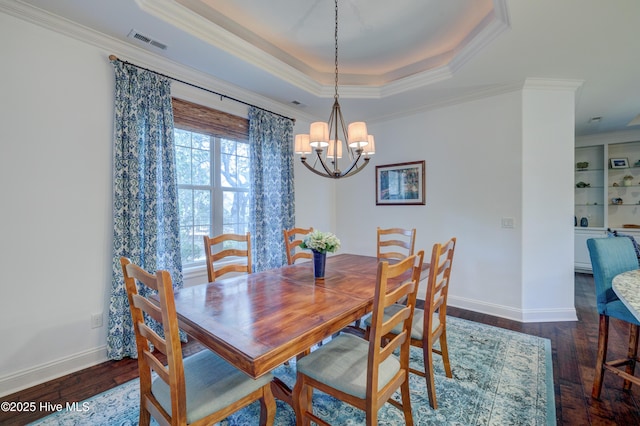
(500, 377)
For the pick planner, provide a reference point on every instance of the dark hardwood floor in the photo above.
(573, 345)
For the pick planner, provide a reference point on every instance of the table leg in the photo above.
(281, 391)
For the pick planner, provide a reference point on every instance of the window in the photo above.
(213, 178)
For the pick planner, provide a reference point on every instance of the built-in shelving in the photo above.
(604, 199)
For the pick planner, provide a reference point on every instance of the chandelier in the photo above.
(327, 139)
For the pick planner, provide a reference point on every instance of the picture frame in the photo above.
(401, 184)
(619, 163)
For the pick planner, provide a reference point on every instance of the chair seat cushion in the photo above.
(417, 326)
(211, 384)
(342, 364)
(617, 309)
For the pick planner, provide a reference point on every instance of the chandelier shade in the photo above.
(319, 134)
(358, 136)
(302, 144)
(370, 149)
(331, 150)
(326, 139)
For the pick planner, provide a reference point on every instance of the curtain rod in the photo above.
(115, 58)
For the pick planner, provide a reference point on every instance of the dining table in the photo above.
(627, 287)
(261, 320)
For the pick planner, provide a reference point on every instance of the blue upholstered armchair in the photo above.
(610, 257)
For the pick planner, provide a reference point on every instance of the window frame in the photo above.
(218, 126)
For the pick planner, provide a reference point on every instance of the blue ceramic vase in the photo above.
(319, 260)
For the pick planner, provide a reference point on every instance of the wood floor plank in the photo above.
(573, 347)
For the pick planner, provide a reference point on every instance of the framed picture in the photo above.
(400, 184)
(619, 163)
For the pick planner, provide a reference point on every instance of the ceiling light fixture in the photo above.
(359, 145)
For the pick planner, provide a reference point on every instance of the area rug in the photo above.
(500, 377)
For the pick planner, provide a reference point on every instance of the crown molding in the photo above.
(494, 24)
(481, 93)
(552, 84)
(142, 57)
(619, 136)
(200, 27)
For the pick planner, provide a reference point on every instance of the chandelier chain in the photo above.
(336, 51)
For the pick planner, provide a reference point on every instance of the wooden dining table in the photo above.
(627, 287)
(261, 320)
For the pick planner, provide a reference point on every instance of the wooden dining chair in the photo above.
(364, 373)
(433, 317)
(610, 257)
(235, 248)
(395, 243)
(198, 390)
(292, 240)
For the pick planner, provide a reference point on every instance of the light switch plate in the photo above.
(508, 222)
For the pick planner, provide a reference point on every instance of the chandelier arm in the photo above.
(316, 171)
(355, 170)
(354, 164)
(350, 172)
(324, 165)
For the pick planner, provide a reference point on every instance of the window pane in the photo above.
(183, 165)
(202, 208)
(236, 211)
(227, 146)
(201, 141)
(242, 149)
(185, 206)
(228, 170)
(201, 163)
(195, 221)
(182, 138)
(234, 170)
(243, 172)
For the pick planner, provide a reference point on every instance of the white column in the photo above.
(548, 123)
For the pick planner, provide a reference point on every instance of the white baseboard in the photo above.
(33, 376)
(520, 315)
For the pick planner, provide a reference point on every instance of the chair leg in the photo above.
(428, 374)
(145, 415)
(371, 417)
(632, 354)
(445, 353)
(302, 401)
(406, 402)
(603, 337)
(267, 407)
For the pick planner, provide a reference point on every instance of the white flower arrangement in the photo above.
(322, 242)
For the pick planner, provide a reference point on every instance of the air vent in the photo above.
(146, 40)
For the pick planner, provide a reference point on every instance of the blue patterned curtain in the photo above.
(145, 200)
(272, 199)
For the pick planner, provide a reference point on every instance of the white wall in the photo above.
(473, 163)
(56, 116)
(486, 160)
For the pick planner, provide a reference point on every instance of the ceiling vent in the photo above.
(146, 40)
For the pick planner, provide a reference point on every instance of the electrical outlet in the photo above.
(96, 320)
